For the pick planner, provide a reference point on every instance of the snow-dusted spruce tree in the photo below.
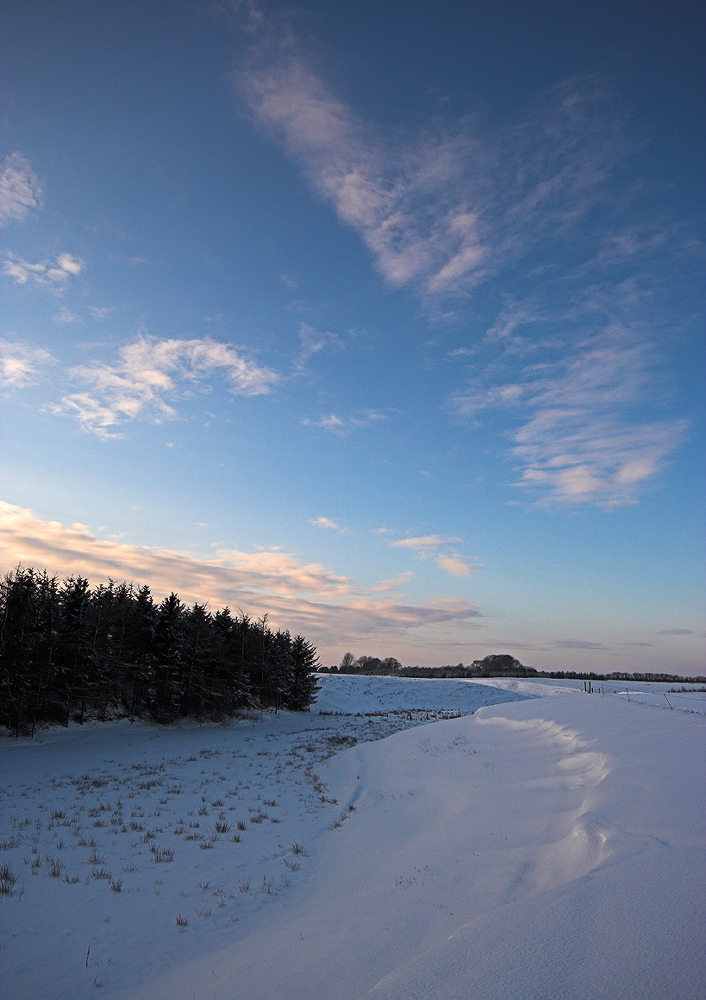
(26, 644)
(138, 653)
(170, 649)
(304, 687)
(230, 683)
(279, 673)
(75, 655)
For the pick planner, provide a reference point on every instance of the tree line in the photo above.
(72, 652)
(493, 665)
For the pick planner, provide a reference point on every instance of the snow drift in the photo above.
(545, 848)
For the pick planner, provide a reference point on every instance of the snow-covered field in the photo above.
(387, 844)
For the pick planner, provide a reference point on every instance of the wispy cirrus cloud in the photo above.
(581, 436)
(437, 547)
(472, 401)
(443, 206)
(150, 375)
(20, 189)
(312, 342)
(300, 596)
(22, 365)
(505, 331)
(53, 275)
(361, 176)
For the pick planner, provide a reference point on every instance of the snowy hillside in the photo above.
(546, 847)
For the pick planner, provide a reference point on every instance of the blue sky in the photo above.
(386, 319)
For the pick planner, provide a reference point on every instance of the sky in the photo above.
(383, 319)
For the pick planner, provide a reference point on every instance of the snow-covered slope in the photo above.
(353, 694)
(547, 848)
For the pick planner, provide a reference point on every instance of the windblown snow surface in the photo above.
(387, 845)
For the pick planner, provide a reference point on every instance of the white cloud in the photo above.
(149, 373)
(22, 271)
(21, 366)
(66, 316)
(99, 418)
(304, 597)
(344, 425)
(330, 423)
(20, 190)
(75, 549)
(444, 207)
(325, 522)
(423, 543)
(68, 264)
(53, 275)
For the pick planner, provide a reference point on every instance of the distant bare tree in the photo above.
(346, 663)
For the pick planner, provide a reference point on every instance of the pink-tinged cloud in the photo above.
(426, 546)
(304, 597)
(454, 564)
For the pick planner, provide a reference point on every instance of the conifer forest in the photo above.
(70, 652)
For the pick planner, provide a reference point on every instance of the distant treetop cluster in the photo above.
(69, 652)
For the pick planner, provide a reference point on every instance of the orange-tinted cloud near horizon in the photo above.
(304, 597)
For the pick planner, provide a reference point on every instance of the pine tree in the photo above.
(169, 650)
(304, 687)
(280, 670)
(74, 648)
(230, 683)
(140, 652)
